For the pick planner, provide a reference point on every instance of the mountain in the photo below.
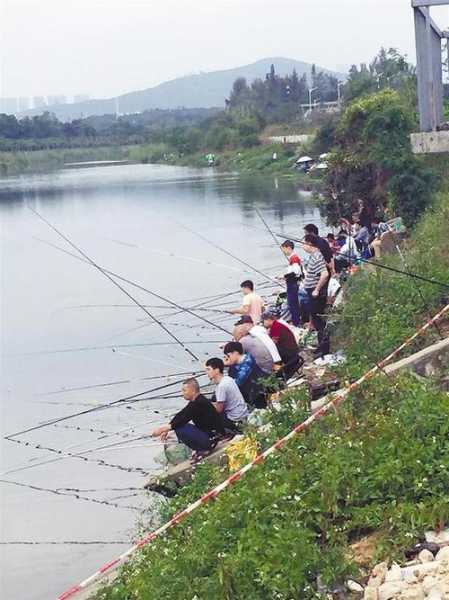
(204, 90)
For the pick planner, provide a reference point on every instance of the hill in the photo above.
(192, 91)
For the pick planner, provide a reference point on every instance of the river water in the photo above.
(71, 341)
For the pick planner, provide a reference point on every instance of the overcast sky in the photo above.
(107, 47)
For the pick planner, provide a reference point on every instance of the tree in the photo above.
(372, 160)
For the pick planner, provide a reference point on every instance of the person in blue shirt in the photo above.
(243, 368)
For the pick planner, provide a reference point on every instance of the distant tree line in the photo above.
(277, 99)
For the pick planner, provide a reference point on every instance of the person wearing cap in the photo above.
(285, 341)
(229, 403)
(244, 370)
(252, 304)
(291, 276)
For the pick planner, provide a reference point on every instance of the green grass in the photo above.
(15, 163)
(380, 465)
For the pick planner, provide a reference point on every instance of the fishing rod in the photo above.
(173, 255)
(113, 347)
(417, 287)
(269, 230)
(383, 266)
(119, 402)
(111, 275)
(215, 245)
(113, 281)
(89, 387)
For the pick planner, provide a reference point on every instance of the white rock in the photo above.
(428, 583)
(414, 592)
(394, 573)
(378, 575)
(438, 538)
(443, 554)
(435, 593)
(354, 586)
(389, 589)
(370, 593)
(425, 556)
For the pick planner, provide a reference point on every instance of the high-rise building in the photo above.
(23, 103)
(81, 98)
(39, 102)
(8, 105)
(57, 99)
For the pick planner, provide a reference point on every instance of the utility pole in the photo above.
(339, 84)
(311, 90)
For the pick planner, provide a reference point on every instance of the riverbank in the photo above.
(257, 160)
(40, 161)
(292, 527)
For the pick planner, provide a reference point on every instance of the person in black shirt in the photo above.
(323, 246)
(197, 424)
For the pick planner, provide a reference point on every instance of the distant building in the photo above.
(39, 102)
(23, 103)
(57, 99)
(8, 105)
(81, 98)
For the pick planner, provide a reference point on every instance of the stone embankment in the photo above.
(426, 578)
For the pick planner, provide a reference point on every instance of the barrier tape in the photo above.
(335, 401)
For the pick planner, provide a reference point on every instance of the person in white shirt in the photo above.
(259, 332)
(252, 303)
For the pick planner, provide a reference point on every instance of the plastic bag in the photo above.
(240, 452)
(177, 453)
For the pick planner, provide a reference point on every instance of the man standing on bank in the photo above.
(315, 284)
(197, 425)
(292, 276)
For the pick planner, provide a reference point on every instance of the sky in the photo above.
(107, 47)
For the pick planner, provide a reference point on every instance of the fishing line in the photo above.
(383, 266)
(111, 275)
(120, 401)
(79, 455)
(227, 252)
(74, 495)
(172, 255)
(113, 281)
(65, 543)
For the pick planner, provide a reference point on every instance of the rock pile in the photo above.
(426, 578)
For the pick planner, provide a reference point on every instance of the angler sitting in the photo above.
(244, 371)
(229, 403)
(197, 425)
(285, 341)
(256, 341)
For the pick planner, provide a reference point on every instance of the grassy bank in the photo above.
(379, 467)
(36, 161)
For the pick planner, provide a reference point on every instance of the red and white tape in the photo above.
(335, 401)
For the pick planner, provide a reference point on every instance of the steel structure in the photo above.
(429, 64)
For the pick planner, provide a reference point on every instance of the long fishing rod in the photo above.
(417, 287)
(110, 275)
(215, 245)
(173, 255)
(269, 230)
(113, 281)
(119, 402)
(113, 347)
(382, 266)
(107, 384)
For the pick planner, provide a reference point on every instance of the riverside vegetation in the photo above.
(379, 467)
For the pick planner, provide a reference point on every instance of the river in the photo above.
(71, 340)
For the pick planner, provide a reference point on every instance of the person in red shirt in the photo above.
(292, 275)
(285, 341)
